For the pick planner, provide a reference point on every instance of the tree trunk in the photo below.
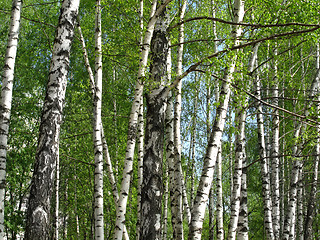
(274, 153)
(205, 183)
(140, 134)
(311, 208)
(264, 168)
(109, 168)
(296, 172)
(237, 174)
(6, 98)
(152, 185)
(97, 140)
(133, 122)
(178, 193)
(38, 214)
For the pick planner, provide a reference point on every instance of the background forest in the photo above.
(209, 120)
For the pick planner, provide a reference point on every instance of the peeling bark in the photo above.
(38, 213)
(152, 185)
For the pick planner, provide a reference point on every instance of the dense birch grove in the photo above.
(160, 119)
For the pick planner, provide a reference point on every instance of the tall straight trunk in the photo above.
(106, 154)
(208, 117)
(220, 229)
(6, 99)
(198, 211)
(140, 135)
(178, 192)
(243, 225)
(152, 185)
(169, 142)
(133, 121)
(237, 174)
(140, 166)
(264, 168)
(38, 214)
(311, 207)
(290, 219)
(97, 140)
(274, 153)
(169, 139)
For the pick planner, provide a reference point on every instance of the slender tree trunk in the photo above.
(243, 225)
(220, 229)
(274, 153)
(98, 149)
(152, 185)
(205, 183)
(237, 174)
(178, 193)
(38, 213)
(296, 172)
(311, 207)
(140, 135)
(169, 139)
(208, 117)
(109, 168)
(264, 168)
(133, 121)
(6, 99)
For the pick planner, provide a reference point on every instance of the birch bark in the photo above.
(296, 172)
(169, 139)
(264, 168)
(152, 185)
(205, 183)
(243, 225)
(274, 153)
(133, 120)
(6, 98)
(106, 155)
(140, 135)
(178, 192)
(312, 198)
(38, 212)
(98, 149)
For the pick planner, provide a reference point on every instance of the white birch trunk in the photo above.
(264, 168)
(274, 153)
(312, 198)
(133, 121)
(106, 155)
(290, 219)
(220, 229)
(205, 183)
(140, 135)
(98, 149)
(38, 213)
(140, 166)
(243, 225)
(6, 98)
(237, 174)
(178, 193)
(152, 184)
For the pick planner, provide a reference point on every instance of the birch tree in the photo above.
(38, 213)
(6, 99)
(132, 129)
(264, 169)
(152, 185)
(198, 210)
(312, 197)
(98, 149)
